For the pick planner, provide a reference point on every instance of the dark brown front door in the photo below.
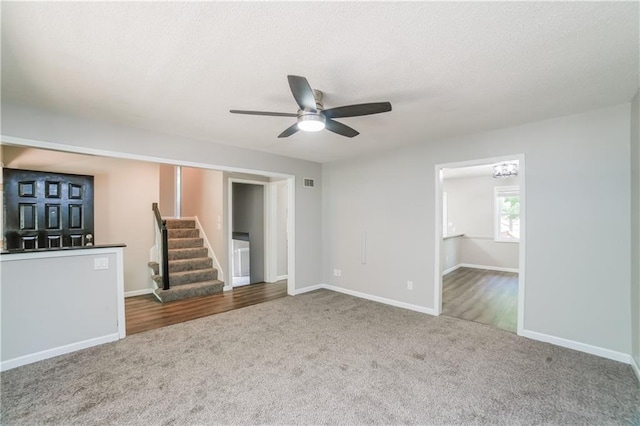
(47, 210)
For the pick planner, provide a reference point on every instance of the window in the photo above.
(507, 213)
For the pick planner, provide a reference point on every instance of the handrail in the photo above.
(164, 256)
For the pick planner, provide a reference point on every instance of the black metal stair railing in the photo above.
(164, 253)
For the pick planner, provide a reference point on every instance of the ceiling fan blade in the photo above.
(357, 110)
(302, 92)
(274, 114)
(340, 128)
(289, 131)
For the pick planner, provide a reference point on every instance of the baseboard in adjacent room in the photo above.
(282, 277)
(578, 346)
(489, 268)
(60, 350)
(138, 292)
(450, 270)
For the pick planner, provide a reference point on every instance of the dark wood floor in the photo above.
(487, 297)
(147, 313)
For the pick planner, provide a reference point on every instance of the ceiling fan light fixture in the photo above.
(311, 122)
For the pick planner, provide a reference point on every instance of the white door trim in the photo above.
(291, 236)
(437, 297)
(270, 230)
(272, 267)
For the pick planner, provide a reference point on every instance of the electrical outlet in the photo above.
(101, 263)
(339, 272)
(410, 285)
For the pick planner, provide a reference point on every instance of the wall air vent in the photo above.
(309, 183)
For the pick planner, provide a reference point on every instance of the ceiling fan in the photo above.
(312, 117)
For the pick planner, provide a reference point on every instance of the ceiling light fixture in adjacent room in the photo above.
(505, 169)
(311, 122)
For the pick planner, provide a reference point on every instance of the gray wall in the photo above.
(577, 264)
(48, 303)
(61, 130)
(450, 256)
(471, 203)
(635, 226)
(248, 216)
(471, 210)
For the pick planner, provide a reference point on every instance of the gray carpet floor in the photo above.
(322, 358)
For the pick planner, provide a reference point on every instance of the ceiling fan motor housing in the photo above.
(318, 95)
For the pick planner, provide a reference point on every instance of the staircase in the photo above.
(191, 271)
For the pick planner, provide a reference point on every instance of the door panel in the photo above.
(51, 189)
(47, 210)
(28, 216)
(52, 216)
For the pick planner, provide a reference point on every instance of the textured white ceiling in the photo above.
(447, 68)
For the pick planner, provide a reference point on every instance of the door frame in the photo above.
(437, 297)
(273, 226)
(269, 225)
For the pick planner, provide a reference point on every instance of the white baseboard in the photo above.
(138, 292)
(558, 341)
(379, 299)
(227, 288)
(582, 347)
(450, 270)
(282, 277)
(636, 367)
(61, 350)
(298, 291)
(490, 268)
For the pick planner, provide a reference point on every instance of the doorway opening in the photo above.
(247, 221)
(258, 230)
(480, 243)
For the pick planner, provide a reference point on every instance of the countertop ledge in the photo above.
(448, 237)
(44, 250)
